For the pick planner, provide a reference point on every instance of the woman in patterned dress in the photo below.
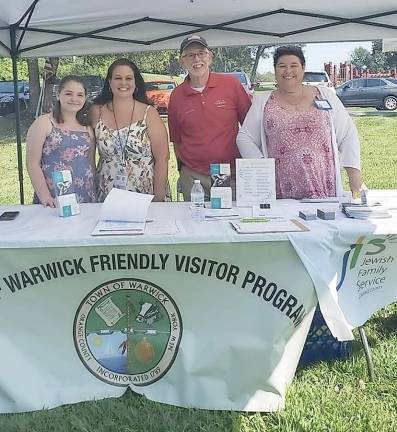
(62, 140)
(306, 129)
(131, 138)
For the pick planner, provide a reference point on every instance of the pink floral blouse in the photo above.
(300, 143)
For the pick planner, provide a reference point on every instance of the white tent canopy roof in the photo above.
(121, 26)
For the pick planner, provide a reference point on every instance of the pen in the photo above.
(254, 219)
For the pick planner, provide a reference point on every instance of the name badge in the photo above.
(322, 104)
(120, 182)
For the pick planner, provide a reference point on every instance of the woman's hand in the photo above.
(48, 201)
(355, 181)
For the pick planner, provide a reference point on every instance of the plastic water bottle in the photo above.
(197, 202)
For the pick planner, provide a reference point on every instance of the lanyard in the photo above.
(120, 145)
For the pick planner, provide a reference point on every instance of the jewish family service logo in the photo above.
(367, 252)
(128, 331)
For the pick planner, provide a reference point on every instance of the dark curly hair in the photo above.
(106, 94)
(81, 115)
(289, 50)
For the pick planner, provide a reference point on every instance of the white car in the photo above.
(244, 80)
(318, 78)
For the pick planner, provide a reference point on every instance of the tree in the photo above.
(361, 58)
(230, 59)
(34, 84)
(6, 69)
(381, 60)
(49, 83)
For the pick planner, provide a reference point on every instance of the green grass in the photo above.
(326, 397)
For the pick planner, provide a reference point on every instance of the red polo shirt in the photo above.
(204, 125)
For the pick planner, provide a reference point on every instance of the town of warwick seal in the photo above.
(127, 331)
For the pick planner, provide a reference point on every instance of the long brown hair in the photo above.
(82, 114)
(106, 94)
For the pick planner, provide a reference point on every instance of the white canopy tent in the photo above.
(40, 28)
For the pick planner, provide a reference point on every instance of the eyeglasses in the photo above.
(192, 55)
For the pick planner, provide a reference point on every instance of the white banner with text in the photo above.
(213, 326)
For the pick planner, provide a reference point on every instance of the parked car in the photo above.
(244, 80)
(94, 84)
(380, 93)
(318, 78)
(159, 93)
(7, 96)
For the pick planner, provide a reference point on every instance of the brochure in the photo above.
(123, 213)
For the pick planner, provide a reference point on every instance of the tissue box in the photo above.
(221, 192)
(221, 197)
(220, 175)
(64, 193)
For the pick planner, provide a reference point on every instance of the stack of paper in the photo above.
(365, 211)
(123, 213)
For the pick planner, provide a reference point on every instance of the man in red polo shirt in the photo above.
(204, 113)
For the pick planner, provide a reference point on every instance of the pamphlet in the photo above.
(255, 181)
(123, 213)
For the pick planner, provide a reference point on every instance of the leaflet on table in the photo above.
(267, 226)
(123, 212)
(255, 181)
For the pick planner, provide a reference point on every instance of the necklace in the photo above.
(121, 146)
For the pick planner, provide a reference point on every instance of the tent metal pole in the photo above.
(14, 56)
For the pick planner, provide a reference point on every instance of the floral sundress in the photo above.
(69, 150)
(127, 151)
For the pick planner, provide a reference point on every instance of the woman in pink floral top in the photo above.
(306, 130)
(62, 141)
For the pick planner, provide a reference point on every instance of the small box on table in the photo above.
(64, 193)
(325, 214)
(307, 215)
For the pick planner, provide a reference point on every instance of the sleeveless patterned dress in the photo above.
(132, 157)
(300, 143)
(69, 150)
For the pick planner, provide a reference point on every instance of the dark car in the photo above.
(7, 96)
(380, 93)
(94, 84)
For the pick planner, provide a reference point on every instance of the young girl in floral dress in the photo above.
(62, 140)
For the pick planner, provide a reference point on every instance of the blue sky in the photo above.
(317, 54)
